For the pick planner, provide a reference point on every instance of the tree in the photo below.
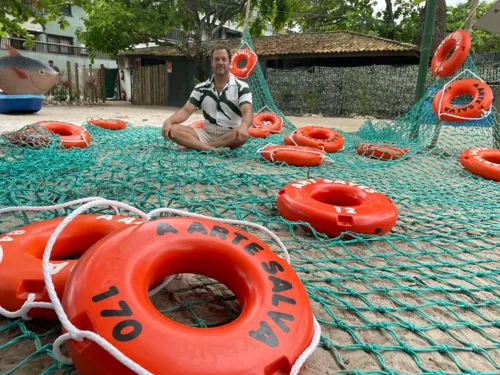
(482, 41)
(439, 31)
(15, 13)
(114, 26)
(327, 15)
(399, 20)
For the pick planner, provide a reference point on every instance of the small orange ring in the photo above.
(319, 137)
(247, 70)
(381, 151)
(298, 156)
(108, 124)
(71, 135)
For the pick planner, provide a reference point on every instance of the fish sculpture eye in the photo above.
(41, 71)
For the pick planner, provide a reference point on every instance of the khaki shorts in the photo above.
(209, 132)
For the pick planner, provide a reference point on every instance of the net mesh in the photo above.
(422, 299)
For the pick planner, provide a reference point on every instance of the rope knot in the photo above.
(382, 309)
(341, 325)
(474, 348)
(406, 348)
(369, 348)
(443, 326)
(409, 307)
(31, 335)
(412, 327)
(496, 324)
(443, 349)
(352, 292)
(382, 325)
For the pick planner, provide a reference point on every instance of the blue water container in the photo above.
(12, 104)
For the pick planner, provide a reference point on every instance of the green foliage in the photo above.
(15, 13)
(482, 41)
(400, 22)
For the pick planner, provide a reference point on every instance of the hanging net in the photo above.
(422, 299)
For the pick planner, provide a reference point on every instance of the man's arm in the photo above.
(180, 116)
(247, 112)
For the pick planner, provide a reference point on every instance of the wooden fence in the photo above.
(149, 85)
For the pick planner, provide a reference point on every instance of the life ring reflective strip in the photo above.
(71, 135)
(336, 206)
(21, 268)
(460, 42)
(251, 63)
(484, 162)
(108, 124)
(381, 151)
(275, 325)
(298, 156)
(482, 97)
(316, 136)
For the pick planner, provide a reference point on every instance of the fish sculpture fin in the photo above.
(19, 72)
(12, 50)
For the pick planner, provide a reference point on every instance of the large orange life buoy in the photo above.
(381, 151)
(251, 63)
(108, 124)
(275, 325)
(336, 206)
(264, 124)
(482, 97)
(317, 136)
(298, 156)
(484, 162)
(442, 66)
(71, 135)
(22, 249)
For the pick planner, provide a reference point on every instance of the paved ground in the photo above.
(146, 115)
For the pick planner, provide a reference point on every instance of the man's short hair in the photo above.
(50, 61)
(219, 47)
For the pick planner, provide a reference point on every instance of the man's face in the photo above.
(220, 62)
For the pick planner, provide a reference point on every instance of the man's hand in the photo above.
(165, 130)
(241, 135)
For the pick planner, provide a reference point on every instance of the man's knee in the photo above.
(237, 144)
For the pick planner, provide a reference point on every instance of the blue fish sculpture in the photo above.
(21, 75)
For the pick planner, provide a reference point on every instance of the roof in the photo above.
(327, 43)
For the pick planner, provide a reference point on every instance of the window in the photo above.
(60, 44)
(66, 10)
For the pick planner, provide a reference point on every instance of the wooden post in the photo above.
(470, 20)
(84, 83)
(70, 83)
(92, 97)
(77, 81)
(103, 83)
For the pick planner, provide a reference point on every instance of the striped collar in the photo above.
(232, 81)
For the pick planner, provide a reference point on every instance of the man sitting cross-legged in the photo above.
(227, 108)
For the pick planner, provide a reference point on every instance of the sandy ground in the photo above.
(146, 115)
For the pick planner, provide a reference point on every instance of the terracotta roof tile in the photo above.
(295, 44)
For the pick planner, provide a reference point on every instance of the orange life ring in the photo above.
(484, 162)
(275, 325)
(71, 135)
(319, 137)
(251, 63)
(381, 151)
(298, 156)
(460, 42)
(481, 101)
(22, 248)
(197, 124)
(108, 124)
(261, 130)
(336, 206)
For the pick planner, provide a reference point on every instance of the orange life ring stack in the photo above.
(484, 162)
(381, 151)
(459, 42)
(336, 206)
(276, 323)
(320, 137)
(71, 135)
(251, 62)
(298, 156)
(108, 124)
(21, 266)
(264, 124)
(482, 97)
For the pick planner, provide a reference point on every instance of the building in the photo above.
(60, 46)
(293, 51)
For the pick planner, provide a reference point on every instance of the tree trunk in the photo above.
(439, 32)
(389, 17)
